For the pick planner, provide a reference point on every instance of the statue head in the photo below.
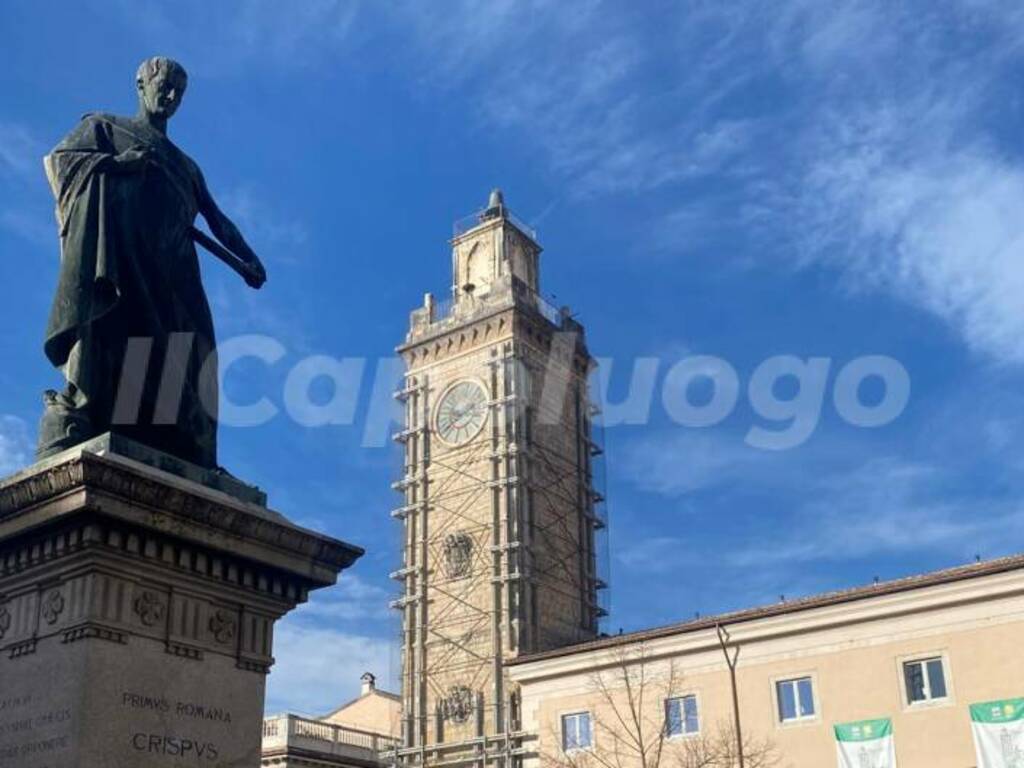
(161, 83)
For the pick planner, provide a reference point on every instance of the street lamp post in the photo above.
(731, 658)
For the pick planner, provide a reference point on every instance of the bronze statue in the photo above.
(131, 328)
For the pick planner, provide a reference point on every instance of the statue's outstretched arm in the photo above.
(222, 227)
(229, 235)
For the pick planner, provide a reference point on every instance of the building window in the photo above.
(796, 699)
(925, 680)
(681, 717)
(576, 732)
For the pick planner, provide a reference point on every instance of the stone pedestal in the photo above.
(137, 610)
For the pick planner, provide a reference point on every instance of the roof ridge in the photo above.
(360, 697)
(820, 600)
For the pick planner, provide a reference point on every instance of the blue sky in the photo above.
(734, 179)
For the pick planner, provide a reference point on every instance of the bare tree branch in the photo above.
(629, 723)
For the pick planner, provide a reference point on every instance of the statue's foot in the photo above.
(63, 426)
(224, 473)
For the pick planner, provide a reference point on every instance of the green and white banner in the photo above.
(999, 733)
(867, 744)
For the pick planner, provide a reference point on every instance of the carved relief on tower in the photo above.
(457, 705)
(458, 555)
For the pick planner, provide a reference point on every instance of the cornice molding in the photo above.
(121, 488)
(749, 632)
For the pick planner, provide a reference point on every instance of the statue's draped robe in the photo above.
(129, 270)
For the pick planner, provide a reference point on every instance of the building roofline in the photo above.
(360, 697)
(824, 600)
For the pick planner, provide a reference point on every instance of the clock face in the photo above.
(461, 412)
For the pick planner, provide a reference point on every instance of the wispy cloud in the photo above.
(658, 554)
(15, 445)
(249, 32)
(683, 461)
(898, 178)
(21, 152)
(947, 488)
(858, 134)
(353, 599)
(938, 226)
(325, 645)
(566, 76)
(31, 227)
(318, 668)
(839, 502)
(883, 508)
(24, 212)
(267, 229)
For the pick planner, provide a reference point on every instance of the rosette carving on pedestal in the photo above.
(149, 608)
(53, 606)
(223, 626)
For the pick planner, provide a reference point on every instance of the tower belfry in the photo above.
(499, 503)
(494, 248)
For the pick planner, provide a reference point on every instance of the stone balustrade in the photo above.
(288, 735)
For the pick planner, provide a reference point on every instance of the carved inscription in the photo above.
(11, 703)
(174, 746)
(29, 732)
(185, 709)
(179, 744)
(33, 730)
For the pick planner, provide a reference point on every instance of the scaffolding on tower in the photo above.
(505, 532)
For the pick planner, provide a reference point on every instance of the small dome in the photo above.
(497, 199)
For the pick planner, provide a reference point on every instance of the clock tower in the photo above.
(498, 508)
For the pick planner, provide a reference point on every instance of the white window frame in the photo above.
(561, 731)
(922, 658)
(794, 679)
(695, 695)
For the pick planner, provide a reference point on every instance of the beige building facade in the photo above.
(918, 651)
(361, 733)
(374, 710)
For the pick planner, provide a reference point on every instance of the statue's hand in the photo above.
(255, 273)
(132, 160)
